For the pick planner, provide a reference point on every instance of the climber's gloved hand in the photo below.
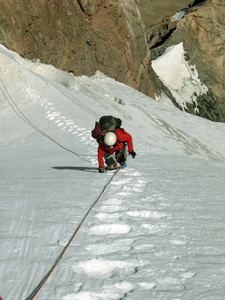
(132, 153)
(101, 170)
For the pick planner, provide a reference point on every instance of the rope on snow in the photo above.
(25, 119)
(39, 286)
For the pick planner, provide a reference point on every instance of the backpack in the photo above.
(109, 123)
(97, 131)
(106, 123)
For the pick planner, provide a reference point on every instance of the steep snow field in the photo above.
(157, 231)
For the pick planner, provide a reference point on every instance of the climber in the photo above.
(114, 148)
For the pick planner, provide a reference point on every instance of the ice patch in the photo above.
(124, 286)
(99, 249)
(140, 183)
(82, 296)
(147, 285)
(168, 280)
(110, 229)
(152, 228)
(101, 267)
(124, 194)
(108, 292)
(110, 208)
(113, 201)
(188, 275)
(169, 284)
(122, 181)
(107, 217)
(144, 247)
(178, 242)
(159, 254)
(137, 189)
(146, 214)
(136, 173)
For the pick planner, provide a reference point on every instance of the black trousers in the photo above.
(119, 155)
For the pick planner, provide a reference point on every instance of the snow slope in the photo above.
(157, 231)
(180, 78)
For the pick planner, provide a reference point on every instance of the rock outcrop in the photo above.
(81, 36)
(153, 11)
(202, 31)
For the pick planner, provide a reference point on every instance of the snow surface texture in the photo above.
(157, 232)
(181, 79)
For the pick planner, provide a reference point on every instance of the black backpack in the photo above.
(109, 123)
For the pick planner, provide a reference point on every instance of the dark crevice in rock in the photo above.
(163, 39)
(80, 5)
(164, 31)
(198, 3)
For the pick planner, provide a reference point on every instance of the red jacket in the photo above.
(121, 136)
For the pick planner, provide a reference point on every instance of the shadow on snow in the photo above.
(86, 169)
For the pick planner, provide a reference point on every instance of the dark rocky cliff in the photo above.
(82, 36)
(202, 31)
(154, 11)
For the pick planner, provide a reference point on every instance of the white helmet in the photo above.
(110, 139)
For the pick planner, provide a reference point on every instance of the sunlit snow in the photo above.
(157, 231)
(181, 78)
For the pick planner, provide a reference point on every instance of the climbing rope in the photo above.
(25, 119)
(20, 114)
(114, 164)
(39, 286)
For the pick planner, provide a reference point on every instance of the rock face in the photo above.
(202, 32)
(81, 36)
(153, 11)
(159, 33)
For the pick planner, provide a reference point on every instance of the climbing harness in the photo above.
(114, 164)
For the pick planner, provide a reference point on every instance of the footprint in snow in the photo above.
(178, 242)
(147, 285)
(119, 245)
(146, 214)
(188, 275)
(121, 182)
(102, 267)
(106, 229)
(108, 217)
(110, 208)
